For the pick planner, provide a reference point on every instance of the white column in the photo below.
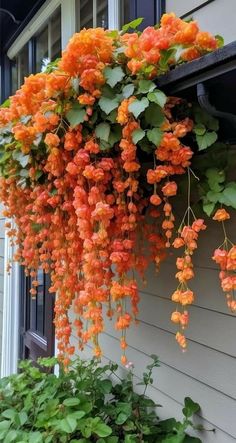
(114, 14)
(68, 21)
(10, 326)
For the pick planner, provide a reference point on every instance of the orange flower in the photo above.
(52, 140)
(221, 215)
(169, 189)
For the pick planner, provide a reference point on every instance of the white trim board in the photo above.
(10, 325)
(68, 22)
(114, 11)
(39, 19)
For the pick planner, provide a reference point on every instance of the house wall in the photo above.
(207, 371)
(2, 234)
(217, 16)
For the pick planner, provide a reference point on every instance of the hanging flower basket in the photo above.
(76, 141)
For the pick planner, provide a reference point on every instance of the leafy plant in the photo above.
(86, 403)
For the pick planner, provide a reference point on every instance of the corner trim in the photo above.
(10, 326)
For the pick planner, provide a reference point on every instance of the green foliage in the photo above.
(215, 186)
(113, 75)
(146, 86)
(75, 115)
(220, 40)
(154, 136)
(138, 106)
(84, 404)
(102, 131)
(154, 115)
(107, 104)
(128, 90)
(157, 97)
(138, 135)
(132, 25)
(206, 140)
(205, 128)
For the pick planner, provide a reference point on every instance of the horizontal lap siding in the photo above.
(207, 371)
(217, 17)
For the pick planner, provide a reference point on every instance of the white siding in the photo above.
(217, 17)
(207, 371)
(2, 234)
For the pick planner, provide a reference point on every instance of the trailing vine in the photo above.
(91, 151)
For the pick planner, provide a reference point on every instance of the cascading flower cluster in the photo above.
(74, 140)
(183, 296)
(225, 257)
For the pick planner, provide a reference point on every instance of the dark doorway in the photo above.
(36, 319)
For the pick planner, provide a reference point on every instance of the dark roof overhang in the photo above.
(210, 80)
(14, 16)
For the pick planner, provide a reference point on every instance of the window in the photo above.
(48, 42)
(91, 14)
(20, 68)
(43, 47)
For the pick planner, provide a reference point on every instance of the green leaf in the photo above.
(145, 86)
(128, 90)
(154, 115)
(71, 401)
(11, 436)
(4, 425)
(137, 135)
(202, 117)
(213, 197)
(21, 158)
(121, 418)
(112, 117)
(102, 430)
(6, 103)
(166, 55)
(75, 115)
(133, 25)
(190, 407)
(138, 106)
(220, 40)
(9, 413)
(23, 417)
(113, 75)
(105, 386)
(206, 140)
(154, 136)
(157, 97)
(77, 414)
(102, 131)
(68, 424)
(199, 129)
(35, 437)
(5, 157)
(229, 196)
(107, 105)
(115, 134)
(208, 208)
(214, 178)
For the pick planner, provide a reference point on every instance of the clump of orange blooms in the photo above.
(183, 296)
(225, 257)
(72, 177)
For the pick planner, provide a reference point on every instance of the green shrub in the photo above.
(88, 403)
